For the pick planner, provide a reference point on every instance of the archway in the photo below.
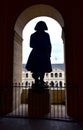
(23, 19)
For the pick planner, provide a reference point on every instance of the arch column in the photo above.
(17, 61)
(17, 70)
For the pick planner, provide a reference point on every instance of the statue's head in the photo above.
(41, 25)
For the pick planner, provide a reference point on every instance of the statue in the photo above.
(39, 59)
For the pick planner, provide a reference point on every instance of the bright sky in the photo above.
(54, 30)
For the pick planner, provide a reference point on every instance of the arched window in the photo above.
(56, 84)
(52, 84)
(56, 74)
(26, 75)
(60, 74)
(60, 83)
(46, 74)
(26, 83)
(51, 74)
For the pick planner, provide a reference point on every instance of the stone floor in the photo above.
(35, 124)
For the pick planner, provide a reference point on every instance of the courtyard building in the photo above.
(53, 79)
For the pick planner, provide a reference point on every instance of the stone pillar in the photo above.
(17, 59)
(17, 70)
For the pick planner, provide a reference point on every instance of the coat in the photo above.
(39, 58)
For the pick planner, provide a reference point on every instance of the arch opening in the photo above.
(27, 15)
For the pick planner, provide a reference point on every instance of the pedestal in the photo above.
(38, 103)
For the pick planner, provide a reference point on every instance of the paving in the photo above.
(37, 124)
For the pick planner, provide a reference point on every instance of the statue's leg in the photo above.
(35, 76)
(42, 77)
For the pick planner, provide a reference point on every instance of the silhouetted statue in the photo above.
(39, 59)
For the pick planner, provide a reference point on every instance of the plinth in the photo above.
(38, 103)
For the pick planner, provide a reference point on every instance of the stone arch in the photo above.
(22, 20)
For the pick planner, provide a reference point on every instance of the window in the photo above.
(26, 74)
(46, 74)
(60, 74)
(56, 75)
(60, 83)
(26, 83)
(51, 74)
(56, 84)
(52, 84)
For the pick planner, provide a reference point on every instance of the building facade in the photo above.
(54, 78)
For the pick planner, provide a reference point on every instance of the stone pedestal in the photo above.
(38, 103)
